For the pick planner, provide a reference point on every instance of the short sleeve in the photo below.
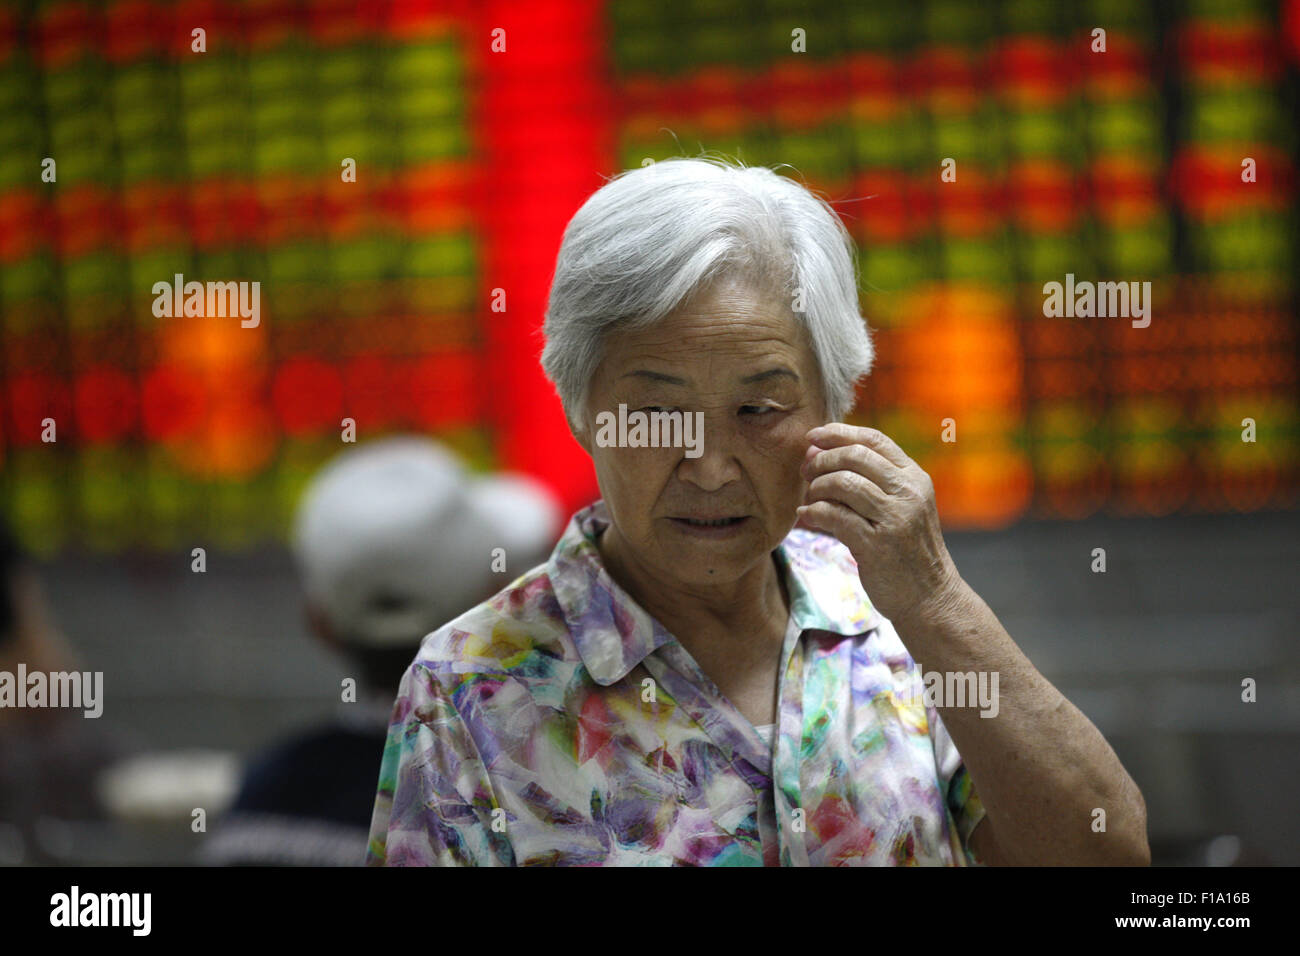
(434, 805)
(962, 800)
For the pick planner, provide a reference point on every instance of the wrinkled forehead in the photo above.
(731, 323)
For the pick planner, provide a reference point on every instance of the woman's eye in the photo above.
(759, 410)
(655, 408)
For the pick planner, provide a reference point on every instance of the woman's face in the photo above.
(740, 358)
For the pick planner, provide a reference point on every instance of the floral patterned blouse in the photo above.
(559, 723)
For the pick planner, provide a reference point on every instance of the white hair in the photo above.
(652, 237)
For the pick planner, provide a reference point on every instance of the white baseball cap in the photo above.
(394, 538)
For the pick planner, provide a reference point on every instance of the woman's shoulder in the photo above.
(521, 620)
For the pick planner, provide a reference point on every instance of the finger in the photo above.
(856, 458)
(836, 519)
(850, 488)
(837, 434)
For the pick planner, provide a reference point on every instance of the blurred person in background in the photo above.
(50, 757)
(391, 539)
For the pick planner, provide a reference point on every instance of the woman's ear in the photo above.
(580, 433)
(577, 420)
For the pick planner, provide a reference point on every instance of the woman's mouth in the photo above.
(712, 527)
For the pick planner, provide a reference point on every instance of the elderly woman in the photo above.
(690, 678)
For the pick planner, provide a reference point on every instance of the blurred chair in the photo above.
(50, 757)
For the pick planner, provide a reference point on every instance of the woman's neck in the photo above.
(752, 604)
